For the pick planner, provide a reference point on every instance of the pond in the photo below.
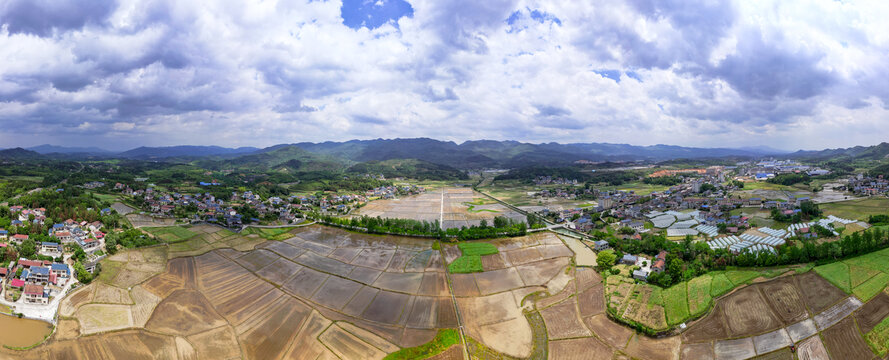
(22, 332)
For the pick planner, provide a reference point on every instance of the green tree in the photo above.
(28, 248)
(606, 259)
(82, 275)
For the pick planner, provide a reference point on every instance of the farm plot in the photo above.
(747, 313)
(562, 321)
(140, 220)
(455, 207)
(844, 342)
(817, 293)
(812, 349)
(873, 312)
(785, 299)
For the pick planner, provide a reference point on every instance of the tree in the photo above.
(82, 275)
(675, 268)
(606, 259)
(28, 248)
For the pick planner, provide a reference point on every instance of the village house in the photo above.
(34, 294)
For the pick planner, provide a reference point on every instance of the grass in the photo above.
(720, 284)
(477, 248)
(638, 188)
(699, 295)
(35, 179)
(858, 275)
(762, 185)
(837, 273)
(276, 234)
(676, 303)
(473, 210)
(442, 341)
(858, 209)
(738, 277)
(466, 264)
(871, 287)
(878, 338)
(471, 260)
(106, 197)
(110, 270)
(171, 234)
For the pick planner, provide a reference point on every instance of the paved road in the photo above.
(43, 312)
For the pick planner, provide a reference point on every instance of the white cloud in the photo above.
(230, 73)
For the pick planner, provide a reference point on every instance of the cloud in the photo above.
(42, 17)
(693, 72)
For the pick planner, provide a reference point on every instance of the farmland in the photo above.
(454, 207)
(865, 276)
(858, 209)
(324, 292)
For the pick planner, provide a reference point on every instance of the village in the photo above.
(37, 270)
(242, 208)
(708, 206)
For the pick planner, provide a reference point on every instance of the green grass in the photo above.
(762, 185)
(720, 284)
(106, 197)
(699, 295)
(110, 270)
(858, 275)
(837, 273)
(871, 287)
(738, 277)
(878, 338)
(471, 260)
(858, 209)
(473, 210)
(442, 341)
(35, 179)
(466, 264)
(171, 234)
(657, 296)
(875, 261)
(276, 234)
(676, 303)
(477, 248)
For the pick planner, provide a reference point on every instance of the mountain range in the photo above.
(475, 154)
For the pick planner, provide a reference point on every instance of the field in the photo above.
(171, 234)
(443, 340)
(278, 234)
(454, 207)
(844, 342)
(139, 220)
(676, 303)
(471, 260)
(864, 276)
(763, 319)
(858, 209)
(328, 293)
(699, 295)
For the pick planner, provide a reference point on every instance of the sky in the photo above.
(116, 74)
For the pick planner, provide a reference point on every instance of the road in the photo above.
(43, 312)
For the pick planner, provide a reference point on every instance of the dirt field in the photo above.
(785, 299)
(454, 207)
(326, 293)
(873, 312)
(812, 349)
(817, 293)
(844, 341)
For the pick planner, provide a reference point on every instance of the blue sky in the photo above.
(122, 73)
